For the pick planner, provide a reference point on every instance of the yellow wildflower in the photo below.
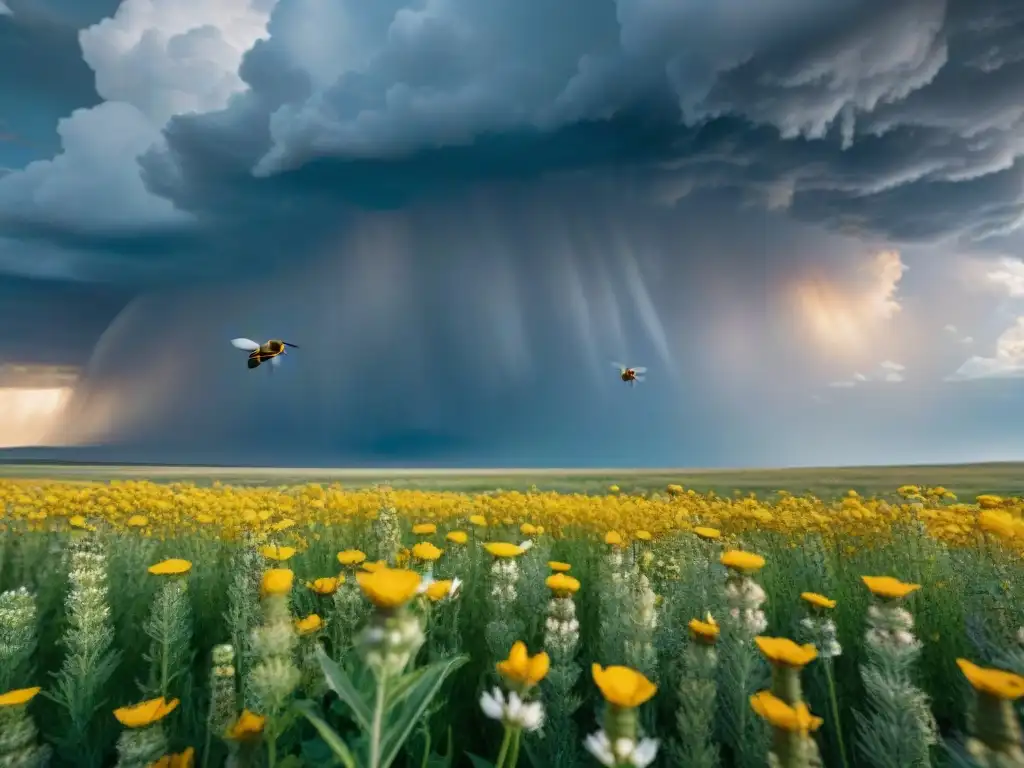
(528, 529)
(282, 525)
(351, 557)
(613, 539)
(503, 549)
(613, 489)
(707, 533)
(247, 727)
(623, 687)
(818, 601)
(137, 521)
(146, 713)
(782, 650)
(521, 669)
(887, 587)
(559, 567)
(424, 529)
(78, 521)
(18, 697)
(424, 550)
(374, 566)
(995, 682)
(562, 584)
(642, 535)
(745, 562)
(276, 581)
(326, 585)
(457, 537)
(705, 631)
(172, 567)
(478, 520)
(274, 552)
(796, 719)
(308, 625)
(389, 588)
(179, 760)
(439, 590)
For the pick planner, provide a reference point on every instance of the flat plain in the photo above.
(965, 480)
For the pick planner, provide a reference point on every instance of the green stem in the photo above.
(516, 740)
(272, 747)
(506, 740)
(834, 703)
(164, 660)
(378, 720)
(206, 745)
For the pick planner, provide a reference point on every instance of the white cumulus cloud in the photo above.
(1009, 276)
(153, 59)
(1007, 362)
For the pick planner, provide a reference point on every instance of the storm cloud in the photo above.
(463, 211)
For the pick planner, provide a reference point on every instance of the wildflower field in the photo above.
(176, 625)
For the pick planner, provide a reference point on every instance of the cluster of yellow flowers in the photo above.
(225, 511)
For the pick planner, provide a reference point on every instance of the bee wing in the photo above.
(275, 361)
(640, 369)
(618, 366)
(245, 344)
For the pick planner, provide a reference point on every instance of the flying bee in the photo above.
(630, 375)
(260, 353)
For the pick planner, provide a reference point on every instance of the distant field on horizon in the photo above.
(966, 480)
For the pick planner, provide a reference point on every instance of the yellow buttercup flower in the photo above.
(137, 521)
(424, 550)
(439, 590)
(248, 727)
(374, 566)
(274, 552)
(308, 625)
(503, 549)
(326, 585)
(351, 557)
(707, 533)
(613, 489)
(623, 687)
(562, 584)
(642, 535)
(172, 567)
(796, 719)
(559, 567)
(995, 682)
(818, 601)
(389, 588)
(178, 760)
(276, 581)
(457, 537)
(522, 670)
(528, 529)
(18, 697)
(282, 525)
(744, 562)
(424, 529)
(146, 713)
(888, 587)
(478, 520)
(781, 650)
(705, 631)
(613, 539)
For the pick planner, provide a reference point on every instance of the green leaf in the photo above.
(414, 701)
(479, 762)
(291, 761)
(331, 739)
(341, 684)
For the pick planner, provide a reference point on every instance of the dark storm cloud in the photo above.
(901, 120)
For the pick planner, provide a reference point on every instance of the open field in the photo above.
(965, 480)
(274, 619)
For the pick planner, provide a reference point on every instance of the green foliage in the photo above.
(385, 710)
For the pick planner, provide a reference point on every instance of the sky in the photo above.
(804, 218)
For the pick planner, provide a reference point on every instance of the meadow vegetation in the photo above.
(177, 624)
